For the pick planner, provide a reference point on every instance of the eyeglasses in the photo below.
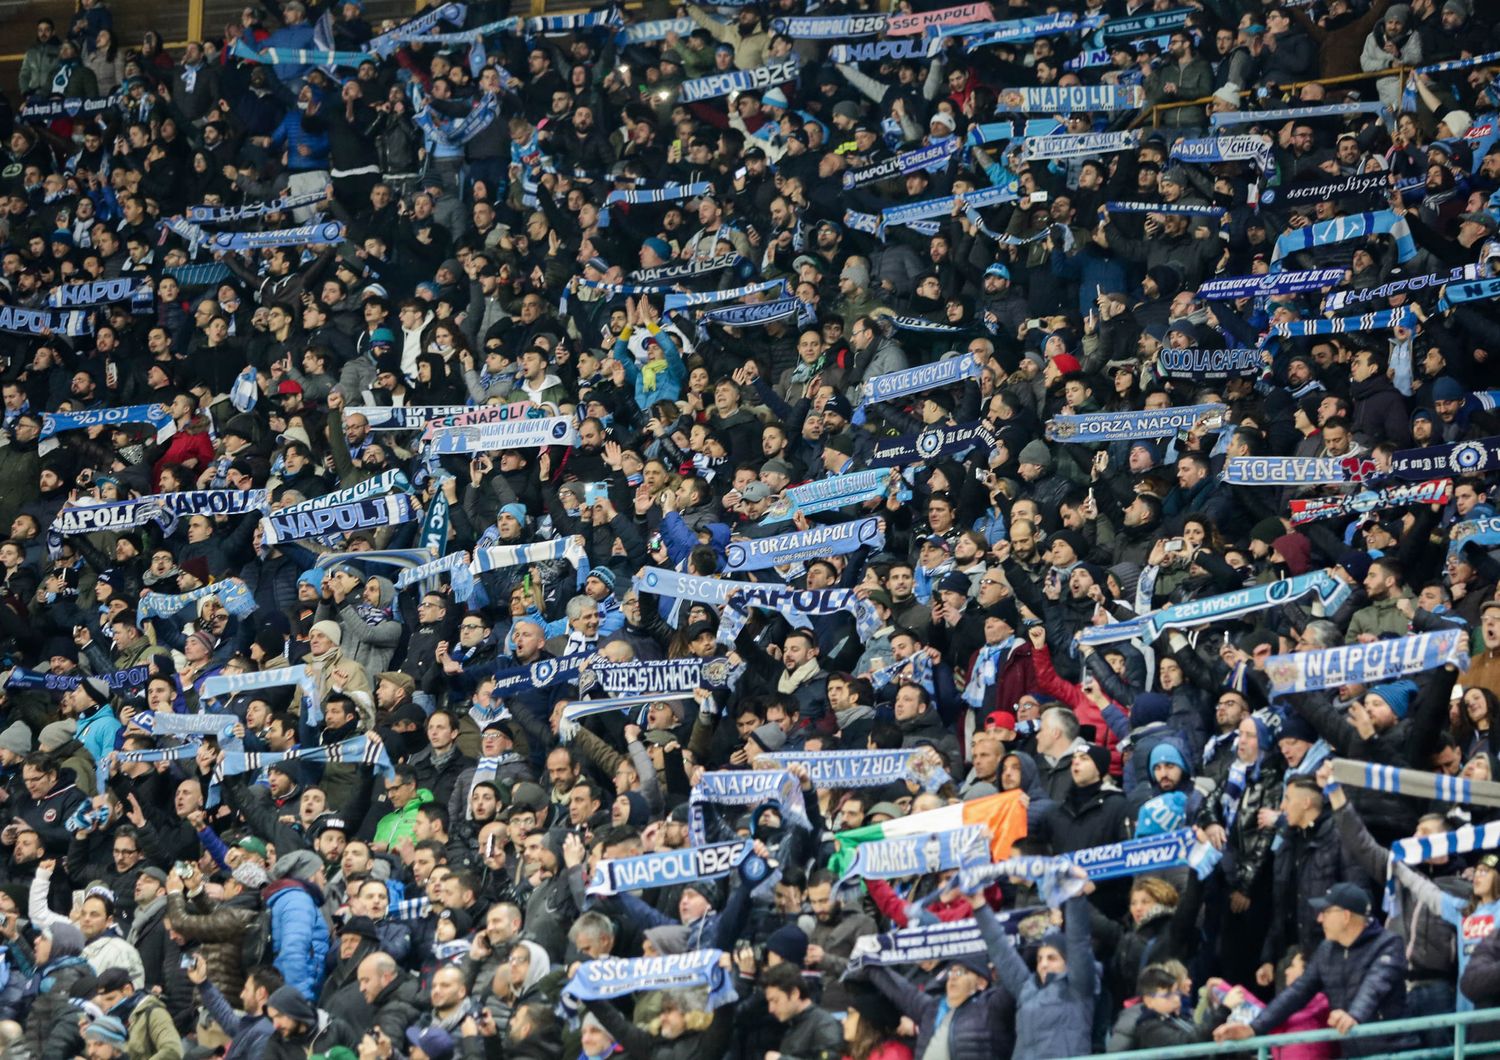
(470, 625)
(989, 581)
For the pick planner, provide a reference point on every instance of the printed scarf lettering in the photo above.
(402, 418)
(668, 868)
(745, 789)
(1222, 364)
(826, 494)
(1372, 186)
(1128, 426)
(231, 592)
(339, 519)
(1212, 149)
(762, 77)
(1222, 608)
(832, 28)
(1295, 470)
(516, 410)
(934, 156)
(878, 51)
(1228, 288)
(19, 320)
(314, 232)
(1145, 25)
(678, 586)
(1072, 99)
(510, 434)
(1440, 461)
(653, 677)
(233, 684)
(118, 680)
(931, 444)
(919, 855)
(615, 977)
(803, 545)
(918, 22)
(1310, 509)
(374, 486)
(864, 769)
(921, 943)
(1410, 285)
(99, 292)
(1367, 664)
(1076, 145)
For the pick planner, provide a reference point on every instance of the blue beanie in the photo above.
(661, 246)
(1150, 707)
(515, 511)
(312, 577)
(605, 575)
(1168, 752)
(1398, 694)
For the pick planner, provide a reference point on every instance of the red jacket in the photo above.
(1048, 681)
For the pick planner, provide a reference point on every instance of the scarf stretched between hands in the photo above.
(745, 789)
(863, 769)
(1310, 509)
(615, 977)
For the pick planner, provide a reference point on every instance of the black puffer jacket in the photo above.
(1309, 861)
(1248, 847)
(982, 1028)
(397, 1006)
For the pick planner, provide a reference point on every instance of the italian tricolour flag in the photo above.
(1002, 816)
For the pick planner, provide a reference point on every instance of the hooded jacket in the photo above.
(1055, 1016)
(299, 935)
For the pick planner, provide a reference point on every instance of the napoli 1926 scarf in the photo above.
(1227, 288)
(834, 27)
(338, 519)
(1441, 461)
(932, 444)
(1303, 192)
(1367, 664)
(864, 769)
(1311, 509)
(683, 301)
(1128, 426)
(667, 868)
(762, 77)
(156, 415)
(1222, 364)
(915, 855)
(510, 434)
(616, 977)
(803, 545)
(1290, 470)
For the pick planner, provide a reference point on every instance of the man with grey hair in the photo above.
(593, 935)
(582, 627)
(1056, 739)
(392, 994)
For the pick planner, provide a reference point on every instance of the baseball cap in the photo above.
(1344, 896)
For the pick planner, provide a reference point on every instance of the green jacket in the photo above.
(151, 1035)
(1380, 618)
(399, 824)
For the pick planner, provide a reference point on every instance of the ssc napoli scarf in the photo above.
(615, 977)
(1222, 608)
(98, 292)
(896, 48)
(118, 680)
(404, 417)
(515, 410)
(1367, 664)
(678, 586)
(339, 519)
(314, 232)
(837, 27)
(918, 22)
(1304, 192)
(249, 211)
(1338, 300)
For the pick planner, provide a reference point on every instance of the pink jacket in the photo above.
(1311, 1017)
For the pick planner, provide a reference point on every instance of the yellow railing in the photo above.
(1153, 114)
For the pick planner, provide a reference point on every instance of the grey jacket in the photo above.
(1054, 1018)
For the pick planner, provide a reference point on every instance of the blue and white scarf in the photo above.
(1182, 209)
(683, 301)
(648, 677)
(649, 32)
(1367, 664)
(918, 380)
(1343, 229)
(756, 314)
(1440, 461)
(1286, 114)
(920, 324)
(864, 769)
(897, 49)
(759, 79)
(314, 233)
(745, 788)
(615, 977)
(123, 516)
(1128, 426)
(510, 434)
(19, 320)
(665, 193)
(374, 486)
(575, 711)
(1285, 471)
(1144, 854)
(385, 43)
(232, 592)
(934, 443)
(907, 213)
(837, 491)
(1144, 25)
(933, 156)
(1417, 849)
(1408, 285)
(118, 680)
(434, 532)
(918, 855)
(1078, 145)
(1072, 99)
(1311, 509)
(835, 27)
(669, 275)
(1021, 30)
(1223, 608)
(544, 673)
(668, 868)
(803, 545)
(515, 410)
(357, 749)
(941, 941)
(499, 557)
(403, 417)
(1227, 288)
(797, 604)
(1223, 364)
(98, 292)
(1416, 784)
(299, 56)
(986, 671)
(1409, 95)
(250, 210)
(1479, 531)
(232, 684)
(450, 565)
(1380, 320)
(219, 726)
(1469, 291)
(555, 25)
(989, 132)
(678, 586)
(1224, 149)
(339, 519)
(1053, 877)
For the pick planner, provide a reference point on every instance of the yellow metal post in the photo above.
(195, 20)
(538, 8)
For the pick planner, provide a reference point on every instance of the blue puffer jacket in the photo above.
(1054, 1018)
(299, 935)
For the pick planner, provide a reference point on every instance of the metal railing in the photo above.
(1153, 113)
(1457, 1022)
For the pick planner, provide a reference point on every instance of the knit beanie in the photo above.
(331, 630)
